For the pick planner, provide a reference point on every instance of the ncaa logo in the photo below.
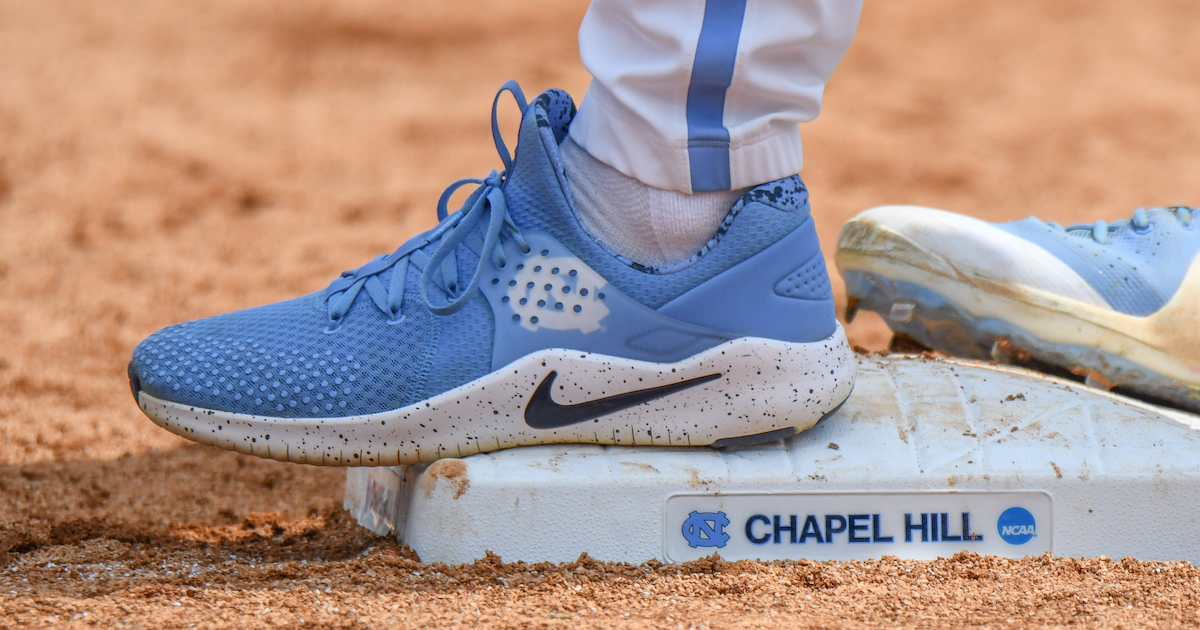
(1017, 526)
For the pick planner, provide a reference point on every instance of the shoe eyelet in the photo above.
(332, 329)
(1143, 231)
(396, 322)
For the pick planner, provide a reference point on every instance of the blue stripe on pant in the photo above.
(712, 72)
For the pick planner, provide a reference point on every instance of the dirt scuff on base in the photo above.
(454, 471)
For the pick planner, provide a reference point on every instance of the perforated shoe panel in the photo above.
(809, 282)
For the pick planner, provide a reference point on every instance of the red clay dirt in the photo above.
(163, 160)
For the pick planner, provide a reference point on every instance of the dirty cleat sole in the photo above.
(964, 306)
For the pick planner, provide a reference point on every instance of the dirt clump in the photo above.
(330, 573)
(454, 471)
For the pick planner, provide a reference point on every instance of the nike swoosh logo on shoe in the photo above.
(543, 413)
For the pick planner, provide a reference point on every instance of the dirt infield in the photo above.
(163, 160)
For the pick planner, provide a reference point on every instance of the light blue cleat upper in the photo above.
(1136, 265)
(512, 272)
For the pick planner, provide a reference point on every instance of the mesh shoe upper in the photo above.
(276, 360)
(1135, 269)
(286, 360)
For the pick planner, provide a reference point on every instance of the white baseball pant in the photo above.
(703, 95)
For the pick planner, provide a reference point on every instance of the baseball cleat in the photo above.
(509, 325)
(1117, 304)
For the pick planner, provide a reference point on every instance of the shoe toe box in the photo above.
(278, 361)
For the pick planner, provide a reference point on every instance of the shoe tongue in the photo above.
(553, 109)
(536, 181)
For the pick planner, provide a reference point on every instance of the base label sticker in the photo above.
(850, 526)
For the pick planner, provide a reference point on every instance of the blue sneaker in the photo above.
(509, 325)
(1118, 305)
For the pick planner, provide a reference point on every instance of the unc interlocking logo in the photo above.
(706, 529)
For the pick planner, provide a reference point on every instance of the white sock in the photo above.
(649, 225)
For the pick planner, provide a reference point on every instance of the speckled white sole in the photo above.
(765, 387)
